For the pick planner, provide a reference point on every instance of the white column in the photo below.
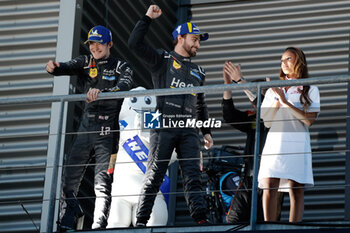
(69, 20)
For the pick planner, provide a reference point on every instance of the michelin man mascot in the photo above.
(130, 166)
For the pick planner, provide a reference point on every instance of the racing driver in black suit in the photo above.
(174, 70)
(100, 73)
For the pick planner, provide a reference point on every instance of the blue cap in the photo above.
(99, 34)
(189, 28)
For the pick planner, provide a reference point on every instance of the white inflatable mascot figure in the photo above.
(129, 168)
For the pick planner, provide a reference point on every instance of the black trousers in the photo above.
(187, 144)
(94, 134)
(241, 204)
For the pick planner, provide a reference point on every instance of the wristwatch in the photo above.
(241, 79)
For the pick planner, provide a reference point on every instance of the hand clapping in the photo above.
(232, 72)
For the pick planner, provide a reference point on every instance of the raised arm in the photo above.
(136, 42)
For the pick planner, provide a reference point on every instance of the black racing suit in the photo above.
(170, 70)
(100, 117)
(244, 121)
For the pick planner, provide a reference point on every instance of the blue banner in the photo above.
(139, 154)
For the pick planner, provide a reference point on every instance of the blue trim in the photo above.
(140, 155)
(109, 78)
(195, 75)
(226, 198)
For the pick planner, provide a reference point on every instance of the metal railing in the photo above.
(162, 92)
(176, 91)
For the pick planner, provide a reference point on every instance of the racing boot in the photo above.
(73, 215)
(201, 219)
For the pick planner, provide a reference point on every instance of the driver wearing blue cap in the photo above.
(189, 28)
(99, 34)
(99, 72)
(174, 70)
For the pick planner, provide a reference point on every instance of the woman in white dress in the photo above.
(286, 161)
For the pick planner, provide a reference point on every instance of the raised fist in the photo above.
(51, 65)
(154, 11)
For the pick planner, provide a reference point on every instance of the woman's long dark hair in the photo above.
(301, 70)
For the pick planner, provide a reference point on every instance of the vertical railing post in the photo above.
(53, 185)
(347, 153)
(254, 202)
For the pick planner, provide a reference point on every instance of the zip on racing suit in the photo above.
(170, 70)
(100, 116)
